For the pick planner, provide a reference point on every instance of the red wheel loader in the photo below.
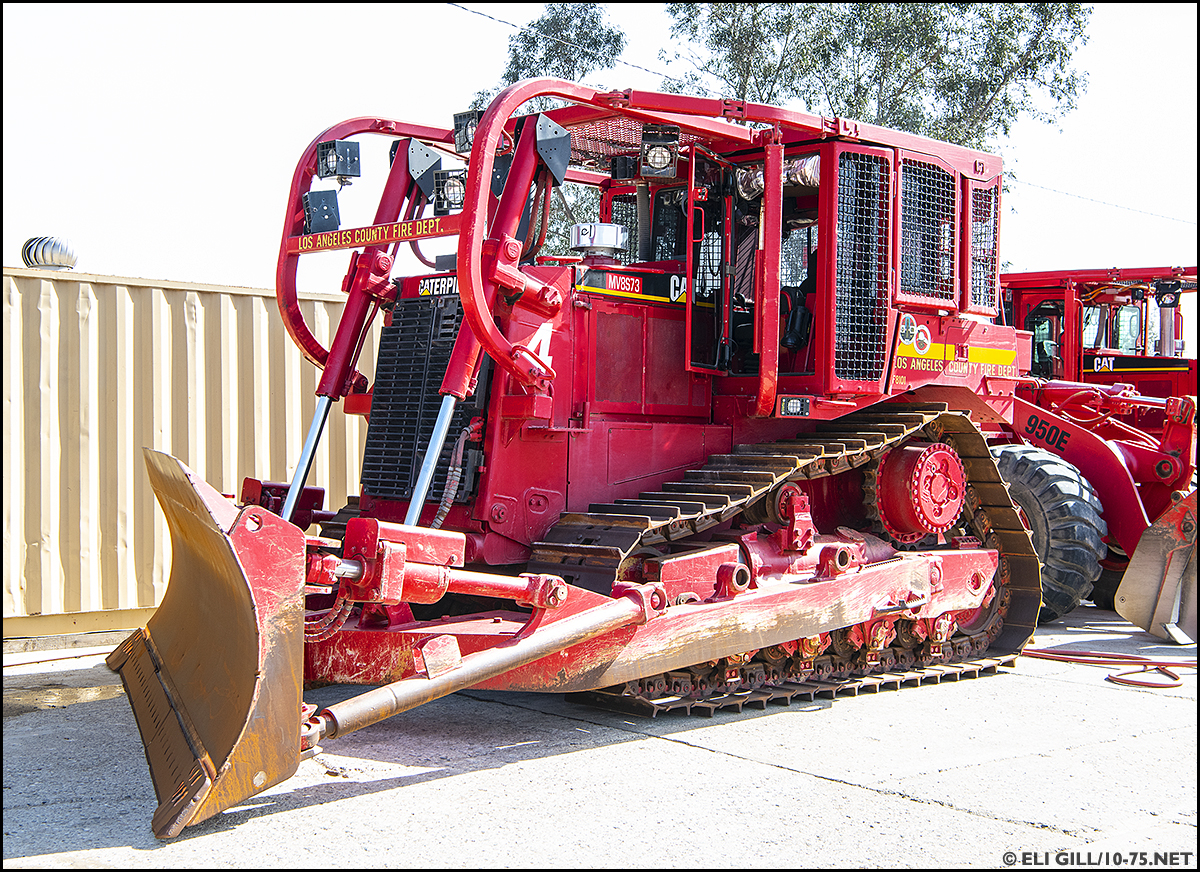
(730, 451)
(1102, 449)
(1108, 327)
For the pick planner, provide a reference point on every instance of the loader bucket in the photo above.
(215, 677)
(1158, 592)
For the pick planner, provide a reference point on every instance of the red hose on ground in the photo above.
(1104, 658)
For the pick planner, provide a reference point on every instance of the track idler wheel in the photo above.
(920, 490)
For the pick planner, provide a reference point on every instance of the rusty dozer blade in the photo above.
(215, 677)
(1158, 592)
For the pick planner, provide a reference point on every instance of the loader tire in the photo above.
(1063, 513)
(1104, 590)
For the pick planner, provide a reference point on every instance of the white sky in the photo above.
(161, 140)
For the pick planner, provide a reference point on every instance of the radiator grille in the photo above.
(927, 231)
(985, 227)
(414, 351)
(861, 303)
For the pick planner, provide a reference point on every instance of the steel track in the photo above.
(590, 548)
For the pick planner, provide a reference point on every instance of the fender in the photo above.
(1096, 458)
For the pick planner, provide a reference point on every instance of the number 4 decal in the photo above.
(539, 343)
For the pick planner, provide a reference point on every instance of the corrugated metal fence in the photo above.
(95, 368)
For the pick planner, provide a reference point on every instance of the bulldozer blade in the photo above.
(214, 679)
(1158, 591)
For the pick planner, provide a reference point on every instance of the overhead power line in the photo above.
(561, 41)
(662, 75)
(1102, 203)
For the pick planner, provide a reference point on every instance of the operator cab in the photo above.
(1045, 322)
(718, 252)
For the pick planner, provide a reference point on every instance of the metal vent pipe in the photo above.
(48, 252)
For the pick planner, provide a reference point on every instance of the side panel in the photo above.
(636, 351)
(620, 459)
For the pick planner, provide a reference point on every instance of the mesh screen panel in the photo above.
(927, 231)
(670, 230)
(985, 227)
(624, 211)
(861, 302)
(793, 255)
(710, 266)
(593, 144)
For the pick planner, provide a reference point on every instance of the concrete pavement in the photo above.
(1045, 758)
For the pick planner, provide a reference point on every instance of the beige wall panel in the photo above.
(12, 402)
(95, 368)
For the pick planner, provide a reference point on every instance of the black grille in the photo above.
(414, 351)
(670, 230)
(927, 231)
(861, 302)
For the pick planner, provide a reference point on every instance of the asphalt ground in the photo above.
(1047, 764)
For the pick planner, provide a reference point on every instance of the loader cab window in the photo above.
(1127, 329)
(710, 343)
(1095, 326)
(797, 277)
(725, 241)
(798, 295)
(1045, 323)
(797, 274)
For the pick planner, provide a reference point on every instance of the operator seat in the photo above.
(802, 303)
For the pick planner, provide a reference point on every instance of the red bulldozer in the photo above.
(731, 448)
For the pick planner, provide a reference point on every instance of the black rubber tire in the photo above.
(1064, 515)
(1104, 590)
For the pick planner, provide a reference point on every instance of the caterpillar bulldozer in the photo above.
(731, 450)
(1102, 453)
